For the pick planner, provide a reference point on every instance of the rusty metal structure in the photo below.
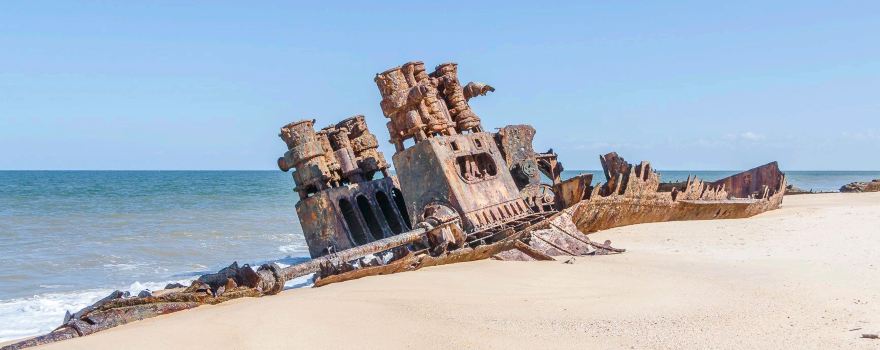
(526, 166)
(460, 193)
(633, 194)
(340, 204)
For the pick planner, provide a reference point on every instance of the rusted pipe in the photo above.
(313, 265)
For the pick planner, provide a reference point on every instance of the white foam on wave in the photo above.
(123, 267)
(40, 314)
(295, 248)
(25, 317)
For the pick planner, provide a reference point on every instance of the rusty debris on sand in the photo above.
(460, 193)
(873, 186)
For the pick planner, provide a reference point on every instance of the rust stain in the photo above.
(460, 194)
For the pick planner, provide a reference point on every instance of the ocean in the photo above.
(68, 238)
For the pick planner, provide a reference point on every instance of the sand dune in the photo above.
(803, 276)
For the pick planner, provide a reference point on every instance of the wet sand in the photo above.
(804, 276)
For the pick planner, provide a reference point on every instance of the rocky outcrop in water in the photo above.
(792, 189)
(873, 186)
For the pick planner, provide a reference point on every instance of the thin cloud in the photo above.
(869, 134)
(745, 136)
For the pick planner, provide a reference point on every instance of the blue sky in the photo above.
(206, 85)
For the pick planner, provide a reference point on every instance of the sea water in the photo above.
(68, 238)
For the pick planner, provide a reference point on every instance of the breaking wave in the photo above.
(40, 314)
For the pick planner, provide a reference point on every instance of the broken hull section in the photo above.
(606, 213)
(632, 196)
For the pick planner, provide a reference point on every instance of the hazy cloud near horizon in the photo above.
(685, 85)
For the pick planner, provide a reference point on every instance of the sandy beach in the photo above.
(803, 276)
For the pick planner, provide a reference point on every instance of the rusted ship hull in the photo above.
(633, 195)
(461, 194)
(606, 213)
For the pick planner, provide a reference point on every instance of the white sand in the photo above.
(799, 277)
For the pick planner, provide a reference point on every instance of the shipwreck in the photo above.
(458, 193)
